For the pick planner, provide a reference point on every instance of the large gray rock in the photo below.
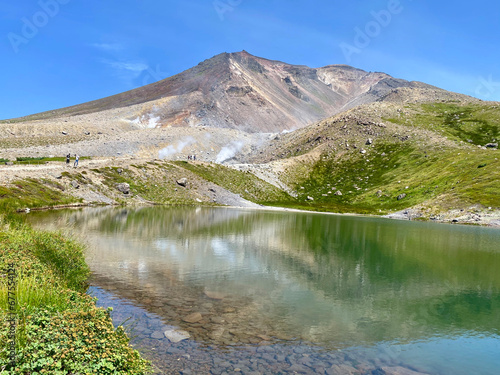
(401, 196)
(75, 184)
(491, 145)
(123, 187)
(182, 182)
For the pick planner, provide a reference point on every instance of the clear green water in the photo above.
(422, 295)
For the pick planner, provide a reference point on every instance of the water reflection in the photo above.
(335, 281)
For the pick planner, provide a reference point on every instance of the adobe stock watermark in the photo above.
(372, 29)
(11, 315)
(152, 76)
(224, 6)
(487, 87)
(32, 25)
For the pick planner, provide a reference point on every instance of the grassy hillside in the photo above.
(424, 154)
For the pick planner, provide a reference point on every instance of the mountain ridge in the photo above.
(241, 91)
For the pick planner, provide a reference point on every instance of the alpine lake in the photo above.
(236, 291)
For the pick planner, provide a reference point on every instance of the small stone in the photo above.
(299, 369)
(193, 318)
(310, 198)
(157, 335)
(401, 196)
(264, 337)
(369, 141)
(215, 295)
(338, 192)
(75, 184)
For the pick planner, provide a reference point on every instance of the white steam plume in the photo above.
(229, 151)
(172, 150)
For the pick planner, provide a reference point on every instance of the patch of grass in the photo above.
(477, 124)
(372, 183)
(33, 194)
(246, 184)
(43, 159)
(59, 329)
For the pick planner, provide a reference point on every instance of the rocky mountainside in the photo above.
(362, 143)
(240, 91)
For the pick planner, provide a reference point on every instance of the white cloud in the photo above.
(126, 71)
(126, 65)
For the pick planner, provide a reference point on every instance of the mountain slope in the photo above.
(383, 157)
(241, 91)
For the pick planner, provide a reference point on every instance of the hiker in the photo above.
(76, 161)
(67, 159)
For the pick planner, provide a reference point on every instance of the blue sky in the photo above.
(56, 53)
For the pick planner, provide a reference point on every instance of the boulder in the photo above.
(491, 145)
(401, 196)
(310, 198)
(338, 192)
(75, 184)
(182, 182)
(369, 141)
(123, 187)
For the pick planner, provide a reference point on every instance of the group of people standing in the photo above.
(191, 157)
(68, 158)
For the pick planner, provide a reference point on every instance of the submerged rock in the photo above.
(193, 318)
(215, 295)
(176, 336)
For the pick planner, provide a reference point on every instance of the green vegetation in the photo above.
(439, 174)
(33, 194)
(42, 159)
(477, 124)
(59, 329)
(374, 181)
(246, 184)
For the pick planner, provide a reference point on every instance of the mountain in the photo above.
(248, 93)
